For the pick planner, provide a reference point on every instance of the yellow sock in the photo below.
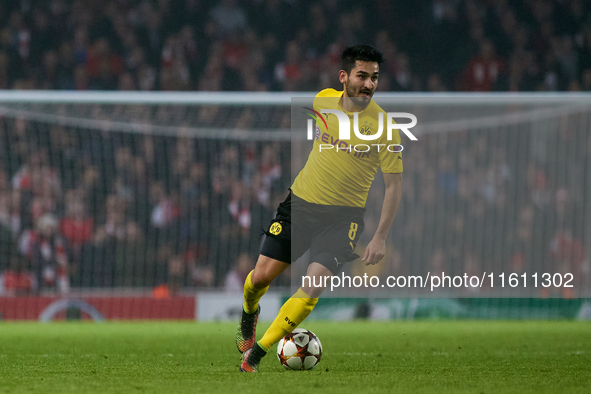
(291, 314)
(252, 295)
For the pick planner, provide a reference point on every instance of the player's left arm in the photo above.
(377, 247)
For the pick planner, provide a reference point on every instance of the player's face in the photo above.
(361, 83)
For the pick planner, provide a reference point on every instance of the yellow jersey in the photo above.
(343, 174)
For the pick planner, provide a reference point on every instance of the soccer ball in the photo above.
(301, 350)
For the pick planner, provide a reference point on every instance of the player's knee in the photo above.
(313, 291)
(266, 270)
(260, 279)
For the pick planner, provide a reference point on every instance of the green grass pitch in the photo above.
(359, 357)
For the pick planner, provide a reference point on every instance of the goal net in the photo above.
(161, 195)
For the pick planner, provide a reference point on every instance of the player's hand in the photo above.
(374, 252)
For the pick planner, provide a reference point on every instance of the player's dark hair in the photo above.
(363, 52)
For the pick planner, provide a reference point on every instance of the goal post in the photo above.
(148, 192)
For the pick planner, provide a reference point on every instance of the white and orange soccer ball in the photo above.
(300, 351)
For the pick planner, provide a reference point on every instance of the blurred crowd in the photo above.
(93, 207)
(98, 208)
(88, 208)
(501, 200)
(287, 45)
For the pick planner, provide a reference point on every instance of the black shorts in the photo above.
(330, 232)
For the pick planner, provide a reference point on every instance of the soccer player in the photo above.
(327, 199)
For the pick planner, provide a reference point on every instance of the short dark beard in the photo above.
(357, 101)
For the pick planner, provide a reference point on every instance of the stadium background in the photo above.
(92, 211)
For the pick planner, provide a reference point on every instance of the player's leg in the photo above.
(265, 271)
(296, 308)
(273, 260)
(330, 248)
(291, 314)
(317, 273)
(300, 304)
(256, 285)
(258, 281)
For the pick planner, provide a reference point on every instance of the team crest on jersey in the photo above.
(365, 130)
(275, 229)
